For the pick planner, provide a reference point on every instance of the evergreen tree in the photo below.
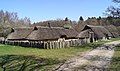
(99, 18)
(66, 19)
(81, 18)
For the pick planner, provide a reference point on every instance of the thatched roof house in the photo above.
(4, 31)
(84, 34)
(42, 33)
(99, 32)
(20, 33)
(52, 33)
(113, 30)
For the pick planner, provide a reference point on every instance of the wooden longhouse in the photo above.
(52, 36)
(43, 37)
(57, 37)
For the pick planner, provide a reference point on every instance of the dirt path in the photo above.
(95, 60)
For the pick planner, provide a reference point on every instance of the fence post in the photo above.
(50, 45)
(53, 44)
(47, 45)
(57, 45)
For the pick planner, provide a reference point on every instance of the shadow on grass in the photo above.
(115, 64)
(90, 45)
(25, 63)
(94, 68)
(117, 48)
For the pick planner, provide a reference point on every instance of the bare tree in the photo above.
(11, 19)
(116, 1)
(114, 11)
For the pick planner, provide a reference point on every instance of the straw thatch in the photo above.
(113, 30)
(53, 23)
(52, 33)
(84, 34)
(118, 28)
(19, 33)
(42, 33)
(5, 31)
(99, 31)
(78, 27)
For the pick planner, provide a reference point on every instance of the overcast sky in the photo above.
(40, 10)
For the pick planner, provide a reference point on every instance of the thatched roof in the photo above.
(99, 31)
(118, 29)
(78, 27)
(20, 33)
(41, 33)
(53, 23)
(52, 33)
(5, 31)
(84, 34)
(113, 30)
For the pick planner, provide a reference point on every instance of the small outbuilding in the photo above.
(93, 33)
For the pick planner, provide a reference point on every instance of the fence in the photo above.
(23, 44)
(47, 44)
(63, 44)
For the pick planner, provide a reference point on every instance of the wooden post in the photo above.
(58, 44)
(47, 45)
(53, 44)
(44, 45)
(63, 44)
(50, 45)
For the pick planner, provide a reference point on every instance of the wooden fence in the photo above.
(24, 44)
(47, 44)
(63, 44)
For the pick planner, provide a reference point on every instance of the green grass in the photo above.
(115, 39)
(62, 53)
(20, 58)
(95, 44)
(26, 57)
(115, 63)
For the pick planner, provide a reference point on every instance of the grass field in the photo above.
(18, 58)
(115, 63)
(31, 58)
(62, 53)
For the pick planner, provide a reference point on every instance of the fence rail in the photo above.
(47, 44)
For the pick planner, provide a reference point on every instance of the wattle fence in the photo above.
(47, 44)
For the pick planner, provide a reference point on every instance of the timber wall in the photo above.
(48, 44)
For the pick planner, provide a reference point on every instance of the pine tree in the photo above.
(81, 18)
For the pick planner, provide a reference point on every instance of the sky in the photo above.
(42, 10)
